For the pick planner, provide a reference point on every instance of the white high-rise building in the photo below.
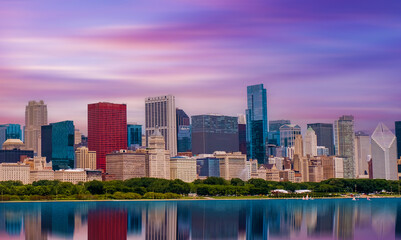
(158, 161)
(160, 113)
(310, 143)
(384, 153)
(35, 118)
(362, 154)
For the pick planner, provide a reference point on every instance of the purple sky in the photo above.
(317, 59)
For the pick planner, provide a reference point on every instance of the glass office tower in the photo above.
(257, 123)
(58, 144)
(134, 134)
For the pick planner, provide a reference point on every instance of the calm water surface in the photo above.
(209, 219)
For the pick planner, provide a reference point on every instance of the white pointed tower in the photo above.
(384, 153)
(310, 142)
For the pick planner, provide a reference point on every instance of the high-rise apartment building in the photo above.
(85, 159)
(107, 130)
(160, 113)
(35, 118)
(384, 153)
(57, 144)
(288, 134)
(212, 133)
(125, 164)
(257, 123)
(77, 137)
(299, 146)
(344, 143)
(134, 135)
(398, 136)
(310, 142)
(158, 162)
(324, 134)
(362, 153)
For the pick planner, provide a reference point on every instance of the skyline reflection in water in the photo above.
(208, 219)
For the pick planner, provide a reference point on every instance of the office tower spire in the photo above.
(35, 118)
(384, 153)
(257, 123)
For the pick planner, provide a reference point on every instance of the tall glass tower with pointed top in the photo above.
(257, 123)
(384, 153)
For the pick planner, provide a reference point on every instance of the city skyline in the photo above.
(205, 54)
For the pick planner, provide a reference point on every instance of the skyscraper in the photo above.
(242, 133)
(344, 144)
(182, 118)
(257, 123)
(362, 153)
(310, 142)
(324, 134)
(158, 162)
(184, 138)
(384, 153)
(398, 136)
(274, 126)
(35, 118)
(10, 131)
(57, 144)
(160, 113)
(85, 158)
(134, 134)
(288, 134)
(212, 133)
(107, 130)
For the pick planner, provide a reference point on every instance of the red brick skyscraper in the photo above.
(107, 130)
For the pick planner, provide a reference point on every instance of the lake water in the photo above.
(206, 219)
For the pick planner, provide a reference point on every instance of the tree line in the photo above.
(155, 188)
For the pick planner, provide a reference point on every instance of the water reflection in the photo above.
(257, 219)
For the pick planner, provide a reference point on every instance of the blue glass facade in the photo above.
(10, 131)
(208, 167)
(257, 123)
(134, 135)
(184, 143)
(58, 144)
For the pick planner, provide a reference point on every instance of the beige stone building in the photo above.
(40, 170)
(70, 175)
(304, 169)
(232, 165)
(315, 171)
(125, 164)
(158, 161)
(85, 159)
(183, 168)
(35, 118)
(299, 145)
(272, 173)
(287, 175)
(11, 144)
(15, 172)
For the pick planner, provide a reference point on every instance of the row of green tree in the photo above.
(155, 188)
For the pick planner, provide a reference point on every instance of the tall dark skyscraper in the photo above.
(398, 136)
(57, 143)
(214, 133)
(184, 133)
(107, 130)
(324, 133)
(257, 123)
(182, 118)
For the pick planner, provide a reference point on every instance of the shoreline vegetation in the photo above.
(212, 188)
